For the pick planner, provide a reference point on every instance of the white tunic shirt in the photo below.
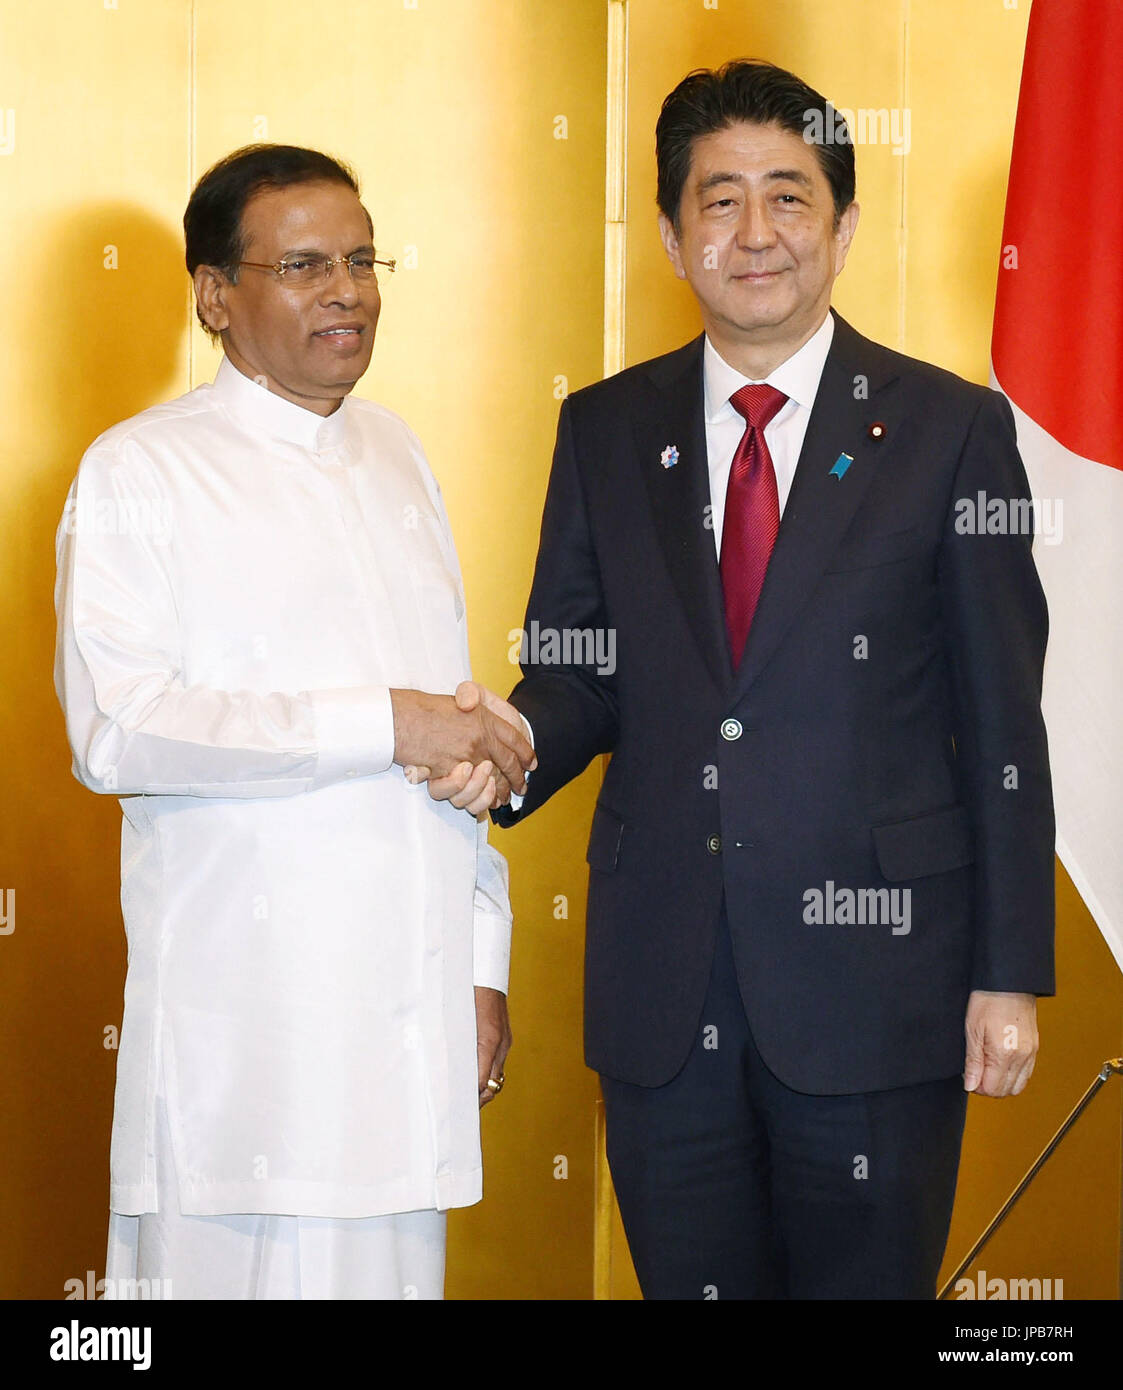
(241, 581)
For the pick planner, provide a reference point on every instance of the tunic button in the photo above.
(713, 844)
(731, 729)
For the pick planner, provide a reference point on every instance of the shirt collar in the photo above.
(798, 376)
(263, 410)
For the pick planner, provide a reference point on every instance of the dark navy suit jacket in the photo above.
(914, 759)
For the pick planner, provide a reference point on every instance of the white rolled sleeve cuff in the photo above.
(516, 799)
(491, 951)
(354, 731)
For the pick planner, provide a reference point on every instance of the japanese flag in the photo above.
(1057, 354)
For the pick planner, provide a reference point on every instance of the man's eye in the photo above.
(363, 262)
(299, 263)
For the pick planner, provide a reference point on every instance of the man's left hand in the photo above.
(1001, 1042)
(493, 1039)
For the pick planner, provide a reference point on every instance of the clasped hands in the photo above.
(470, 747)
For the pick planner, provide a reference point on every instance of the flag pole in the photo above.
(1112, 1067)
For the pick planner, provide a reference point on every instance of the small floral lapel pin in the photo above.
(669, 457)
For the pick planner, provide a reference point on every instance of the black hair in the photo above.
(212, 224)
(760, 93)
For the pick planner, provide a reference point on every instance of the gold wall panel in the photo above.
(921, 278)
(95, 299)
(478, 133)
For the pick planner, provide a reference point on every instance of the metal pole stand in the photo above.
(1114, 1066)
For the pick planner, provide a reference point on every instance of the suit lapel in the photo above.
(672, 417)
(820, 506)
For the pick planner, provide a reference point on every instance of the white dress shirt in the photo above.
(798, 378)
(241, 581)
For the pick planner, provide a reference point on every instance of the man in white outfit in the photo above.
(256, 587)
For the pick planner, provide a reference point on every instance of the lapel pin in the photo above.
(669, 457)
(877, 430)
(841, 464)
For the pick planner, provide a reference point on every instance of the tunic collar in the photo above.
(264, 411)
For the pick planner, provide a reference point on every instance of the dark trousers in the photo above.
(733, 1186)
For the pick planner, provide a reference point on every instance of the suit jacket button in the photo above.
(713, 844)
(731, 729)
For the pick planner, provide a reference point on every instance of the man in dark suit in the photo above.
(785, 580)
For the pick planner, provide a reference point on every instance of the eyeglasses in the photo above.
(314, 268)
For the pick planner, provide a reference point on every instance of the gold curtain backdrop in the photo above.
(478, 129)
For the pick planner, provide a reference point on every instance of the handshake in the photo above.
(470, 747)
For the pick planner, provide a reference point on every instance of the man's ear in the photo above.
(210, 294)
(844, 235)
(670, 244)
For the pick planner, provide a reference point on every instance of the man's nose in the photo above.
(756, 229)
(340, 287)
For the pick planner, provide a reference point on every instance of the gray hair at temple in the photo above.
(212, 224)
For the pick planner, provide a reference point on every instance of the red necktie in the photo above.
(752, 514)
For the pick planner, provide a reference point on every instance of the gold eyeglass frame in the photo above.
(280, 267)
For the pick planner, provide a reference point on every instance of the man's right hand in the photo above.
(435, 733)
